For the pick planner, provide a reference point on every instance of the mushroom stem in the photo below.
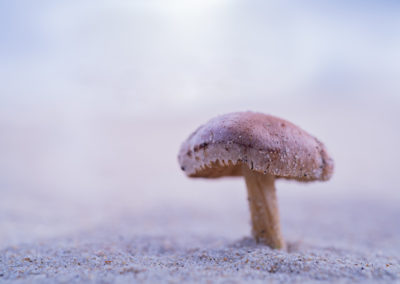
(264, 208)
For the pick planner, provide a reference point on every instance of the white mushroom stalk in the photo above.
(263, 204)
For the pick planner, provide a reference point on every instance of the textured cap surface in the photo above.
(264, 143)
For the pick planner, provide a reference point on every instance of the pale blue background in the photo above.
(96, 96)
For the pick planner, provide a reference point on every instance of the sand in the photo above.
(340, 241)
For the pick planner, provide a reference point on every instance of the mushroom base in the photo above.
(264, 208)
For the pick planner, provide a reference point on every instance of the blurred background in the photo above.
(96, 97)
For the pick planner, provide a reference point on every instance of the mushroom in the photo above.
(262, 148)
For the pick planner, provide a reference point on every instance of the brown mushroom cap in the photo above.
(264, 143)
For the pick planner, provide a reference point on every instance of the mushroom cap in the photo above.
(266, 144)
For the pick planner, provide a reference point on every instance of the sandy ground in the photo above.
(329, 241)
